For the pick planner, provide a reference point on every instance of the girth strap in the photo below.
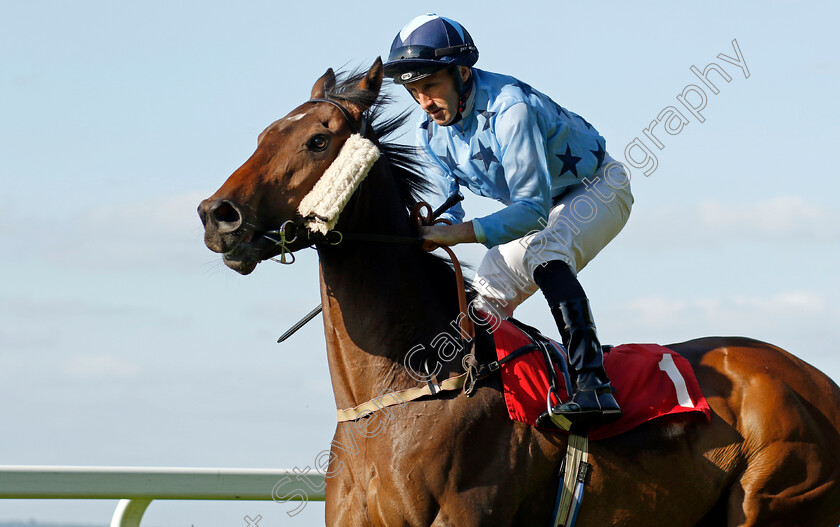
(574, 468)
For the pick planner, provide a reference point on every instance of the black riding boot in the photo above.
(592, 401)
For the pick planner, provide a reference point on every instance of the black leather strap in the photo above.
(485, 370)
(347, 116)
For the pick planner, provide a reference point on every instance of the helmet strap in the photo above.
(463, 90)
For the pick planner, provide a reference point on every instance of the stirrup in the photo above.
(551, 419)
(595, 413)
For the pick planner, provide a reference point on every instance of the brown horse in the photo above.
(769, 457)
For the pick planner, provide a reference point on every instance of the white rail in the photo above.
(136, 487)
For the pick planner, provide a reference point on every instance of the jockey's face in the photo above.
(437, 96)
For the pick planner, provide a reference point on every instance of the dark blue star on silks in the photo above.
(588, 126)
(487, 115)
(425, 126)
(449, 161)
(485, 155)
(599, 155)
(569, 161)
(562, 110)
(526, 89)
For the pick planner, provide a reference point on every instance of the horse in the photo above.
(769, 455)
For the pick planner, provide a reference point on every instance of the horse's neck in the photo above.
(379, 303)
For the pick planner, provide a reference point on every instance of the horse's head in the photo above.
(292, 155)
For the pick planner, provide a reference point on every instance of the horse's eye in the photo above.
(317, 143)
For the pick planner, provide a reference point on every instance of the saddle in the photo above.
(650, 380)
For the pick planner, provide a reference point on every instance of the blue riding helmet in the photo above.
(426, 45)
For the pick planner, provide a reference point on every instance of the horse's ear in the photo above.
(372, 81)
(327, 80)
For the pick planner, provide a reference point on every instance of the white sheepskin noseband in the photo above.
(321, 207)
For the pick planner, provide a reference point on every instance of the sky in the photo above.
(125, 342)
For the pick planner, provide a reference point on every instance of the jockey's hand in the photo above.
(435, 236)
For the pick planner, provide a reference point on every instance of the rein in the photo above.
(352, 236)
(317, 214)
(314, 238)
(467, 380)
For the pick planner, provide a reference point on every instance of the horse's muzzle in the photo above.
(222, 224)
(227, 231)
(221, 214)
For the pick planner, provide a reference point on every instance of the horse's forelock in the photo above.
(402, 158)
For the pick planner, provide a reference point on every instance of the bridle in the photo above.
(299, 230)
(292, 231)
(362, 123)
(422, 215)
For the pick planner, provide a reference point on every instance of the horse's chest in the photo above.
(386, 479)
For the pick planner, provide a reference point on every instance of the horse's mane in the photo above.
(402, 158)
(405, 164)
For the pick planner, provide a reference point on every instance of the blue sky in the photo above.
(124, 341)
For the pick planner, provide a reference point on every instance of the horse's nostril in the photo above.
(226, 216)
(225, 213)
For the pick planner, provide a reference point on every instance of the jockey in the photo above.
(565, 198)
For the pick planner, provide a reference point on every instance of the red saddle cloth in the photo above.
(650, 381)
